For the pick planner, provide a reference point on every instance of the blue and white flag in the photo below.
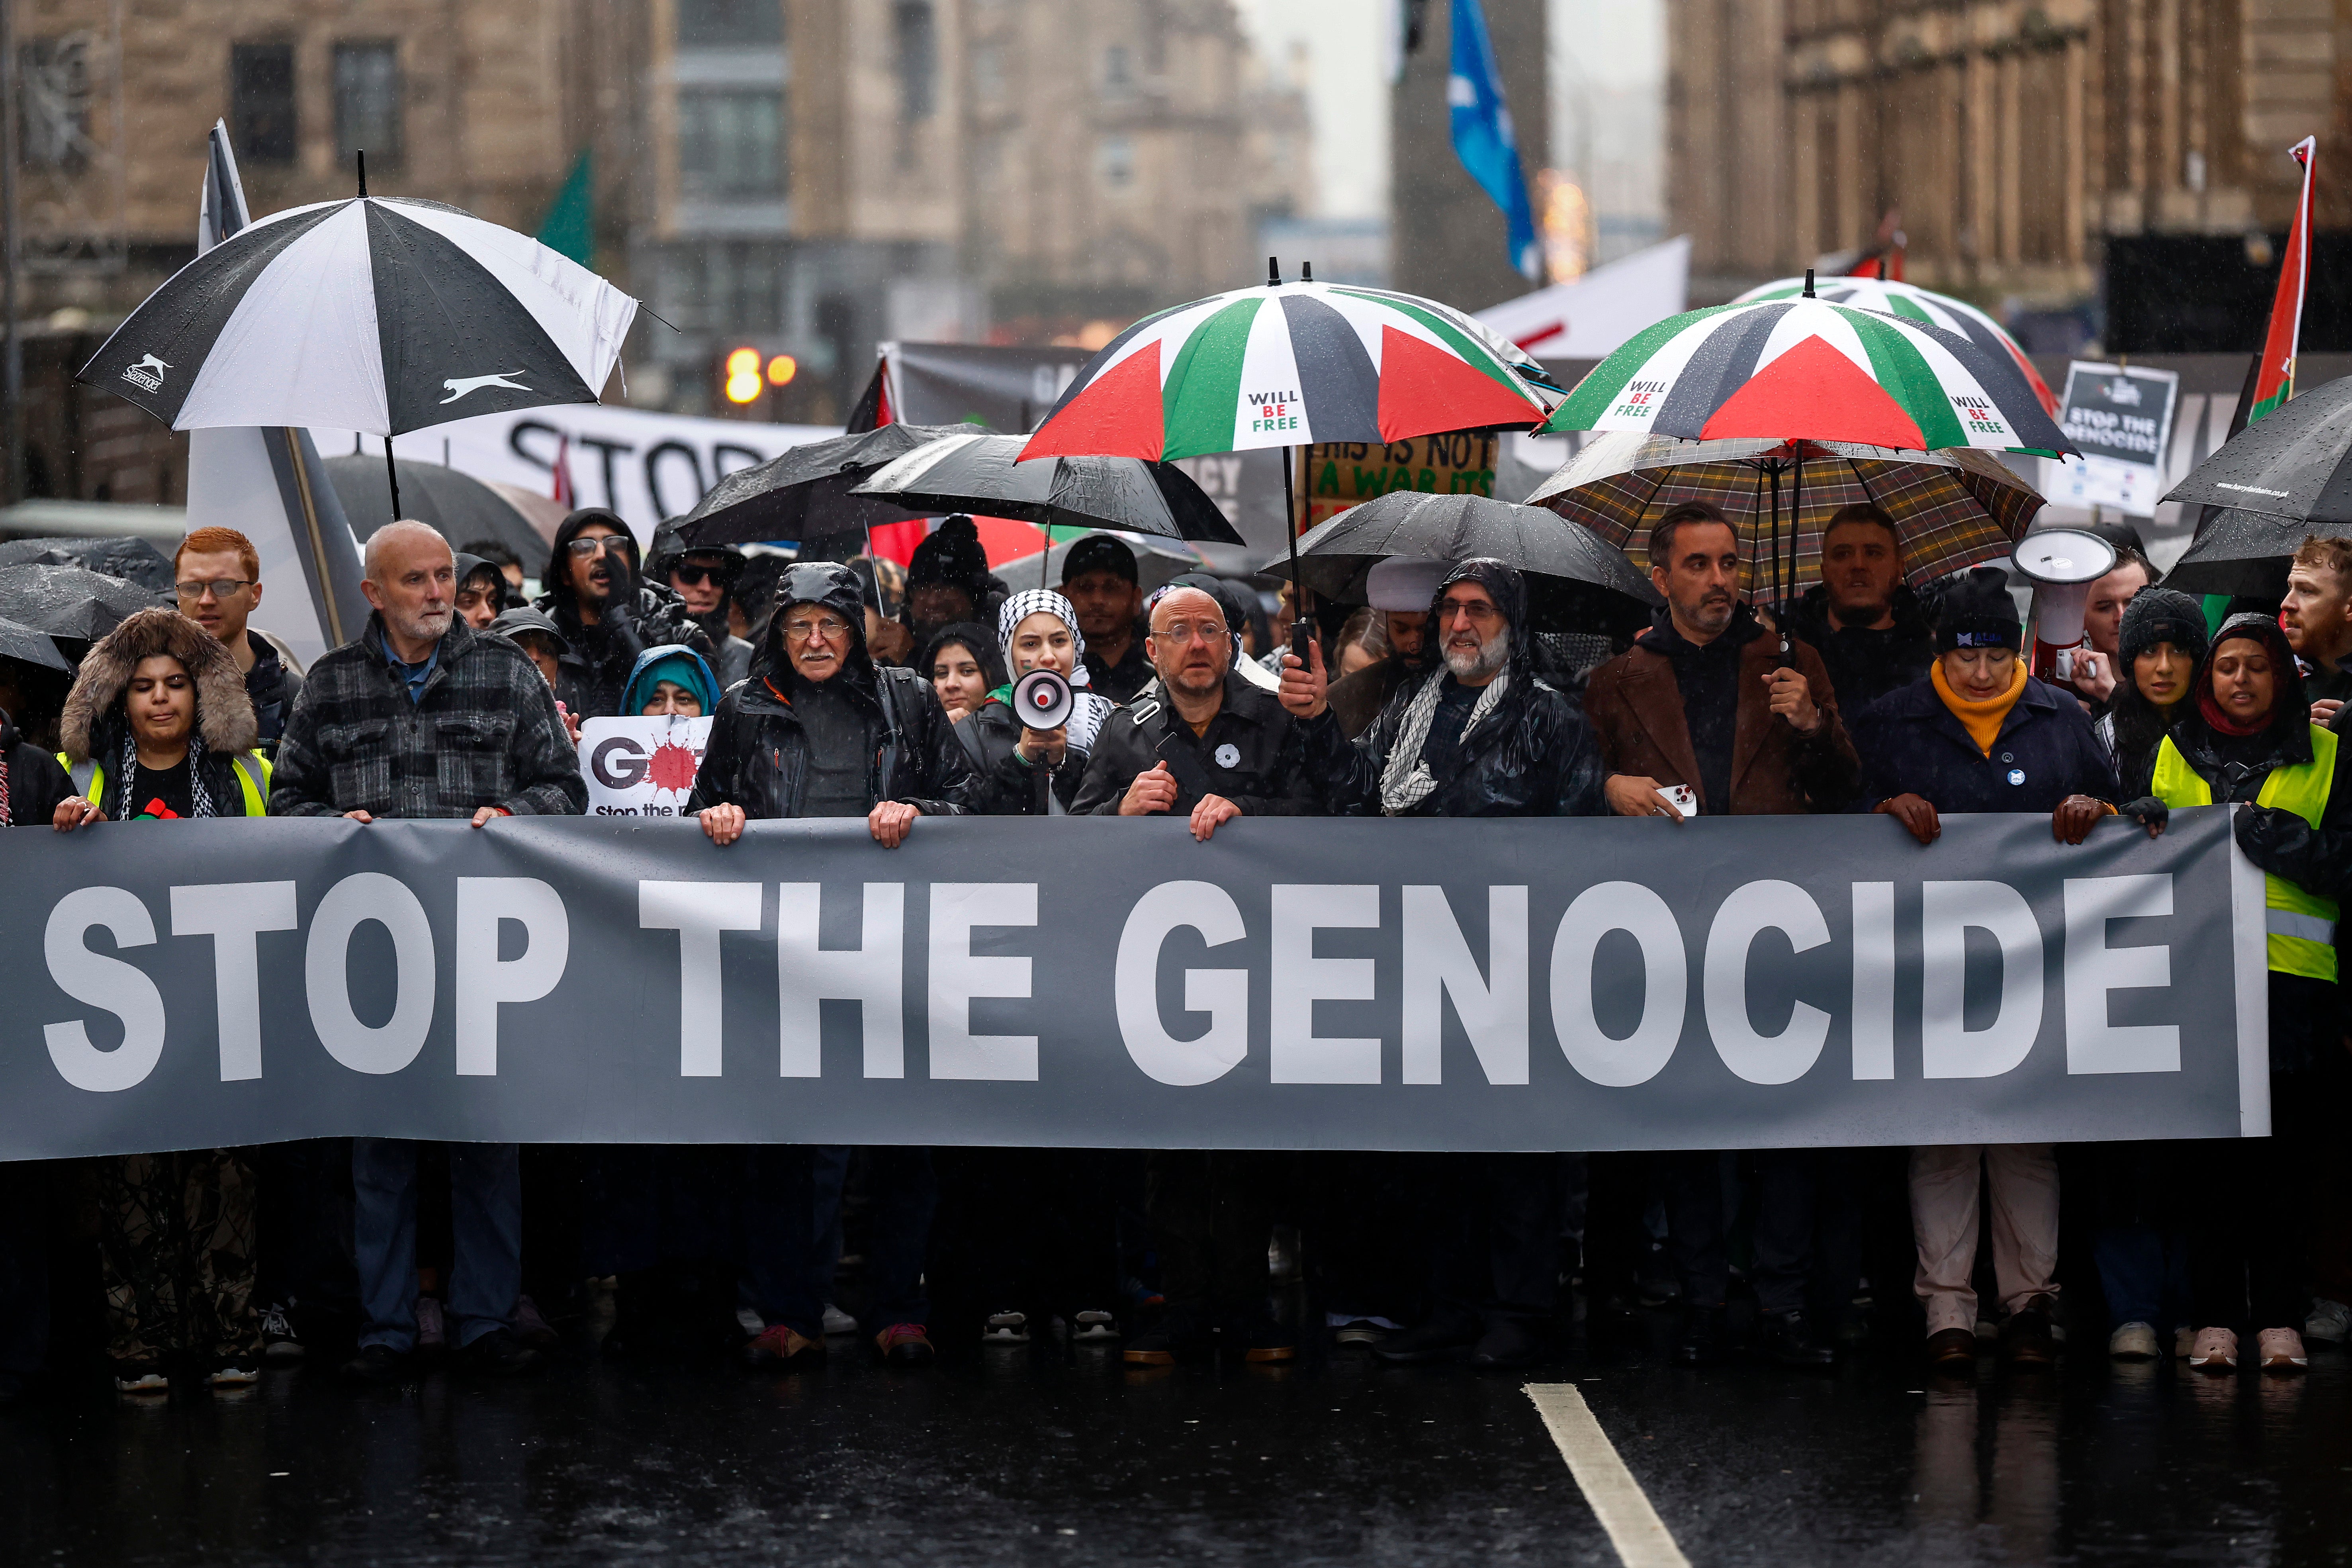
(1483, 135)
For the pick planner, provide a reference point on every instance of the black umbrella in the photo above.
(30, 646)
(804, 495)
(968, 472)
(69, 602)
(458, 506)
(2293, 464)
(1595, 585)
(2238, 552)
(128, 557)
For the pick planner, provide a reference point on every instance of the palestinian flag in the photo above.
(2274, 373)
(1806, 369)
(1287, 364)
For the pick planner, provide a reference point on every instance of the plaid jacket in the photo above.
(485, 732)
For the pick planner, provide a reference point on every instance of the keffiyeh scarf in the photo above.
(1405, 782)
(200, 799)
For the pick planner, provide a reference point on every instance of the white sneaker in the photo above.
(137, 1379)
(837, 1322)
(1005, 1329)
(2133, 1342)
(2330, 1322)
(231, 1375)
(753, 1324)
(1095, 1325)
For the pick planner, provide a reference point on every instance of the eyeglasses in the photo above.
(1183, 634)
(1478, 610)
(695, 576)
(825, 627)
(217, 588)
(602, 544)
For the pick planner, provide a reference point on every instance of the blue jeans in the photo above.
(486, 1219)
(2145, 1273)
(792, 1210)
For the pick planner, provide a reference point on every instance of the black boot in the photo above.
(1702, 1339)
(1789, 1339)
(1441, 1336)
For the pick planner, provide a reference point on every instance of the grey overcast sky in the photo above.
(1611, 43)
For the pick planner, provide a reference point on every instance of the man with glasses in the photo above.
(216, 575)
(1207, 746)
(1477, 735)
(703, 577)
(608, 613)
(819, 731)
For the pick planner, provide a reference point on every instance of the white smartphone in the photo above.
(1685, 798)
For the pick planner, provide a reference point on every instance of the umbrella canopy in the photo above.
(23, 643)
(1287, 364)
(2240, 552)
(804, 494)
(1951, 509)
(1158, 560)
(1336, 556)
(70, 602)
(985, 474)
(133, 559)
(381, 315)
(1782, 369)
(2295, 464)
(1894, 298)
(458, 506)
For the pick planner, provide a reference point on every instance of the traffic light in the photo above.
(742, 382)
(782, 369)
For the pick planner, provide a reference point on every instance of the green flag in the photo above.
(570, 228)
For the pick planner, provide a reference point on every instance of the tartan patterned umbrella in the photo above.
(1951, 509)
(1804, 369)
(1287, 364)
(1909, 301)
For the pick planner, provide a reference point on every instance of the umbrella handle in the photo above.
(392, 474)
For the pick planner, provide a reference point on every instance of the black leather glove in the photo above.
(2273, 840)
(2150, 812)
(619, 615)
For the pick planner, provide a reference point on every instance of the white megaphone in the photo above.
(2061, 563)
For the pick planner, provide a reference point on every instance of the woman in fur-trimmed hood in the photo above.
(158, 726)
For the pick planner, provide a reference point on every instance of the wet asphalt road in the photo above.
(1011, 1457)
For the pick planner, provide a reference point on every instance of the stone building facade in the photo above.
(2012, 140)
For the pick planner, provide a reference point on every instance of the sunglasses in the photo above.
(695, 576)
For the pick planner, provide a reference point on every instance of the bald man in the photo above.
(1206, 744)
(424, 716)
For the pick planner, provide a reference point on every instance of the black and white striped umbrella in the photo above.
(381, 314)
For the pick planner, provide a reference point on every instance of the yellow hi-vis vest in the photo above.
(252, 780)
(2302, 925)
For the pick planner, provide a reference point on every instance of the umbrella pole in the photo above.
(1302, 634)
(392, 474)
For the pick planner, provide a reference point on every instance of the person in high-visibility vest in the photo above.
(158, 728)
(2250, 742)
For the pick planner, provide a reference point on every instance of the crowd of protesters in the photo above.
(857, 690)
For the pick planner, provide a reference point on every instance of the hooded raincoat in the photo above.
(1527, 753)
(602, 655)
(759, 754)
(646, 675)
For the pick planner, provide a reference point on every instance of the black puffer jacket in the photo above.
(30, 778)
(1867, 665)
(1533, 756)
(596, 670)
(272, 686)
(758, 756)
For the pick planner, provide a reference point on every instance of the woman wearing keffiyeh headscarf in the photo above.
(1035, 630)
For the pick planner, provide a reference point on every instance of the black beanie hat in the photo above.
(1978, 612)
(1098, 553)
(953, 555)
(2161, 614)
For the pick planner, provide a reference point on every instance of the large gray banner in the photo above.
(1300, 984)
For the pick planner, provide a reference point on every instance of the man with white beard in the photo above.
(423, 716)
(1479, 734)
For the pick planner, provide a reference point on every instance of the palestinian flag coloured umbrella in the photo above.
(1894, 298)
(1805, 369)
(379, 314)
(1287, 364)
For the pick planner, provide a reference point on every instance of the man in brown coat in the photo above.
(1705, 699)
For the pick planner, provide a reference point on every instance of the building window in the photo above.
(54, 74)
(367, 102)
(730, 142)
(729, 288)
(261, 102)
(710, 24)
(919, 58)
(1115, 162)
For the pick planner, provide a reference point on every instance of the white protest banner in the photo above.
(641, 768)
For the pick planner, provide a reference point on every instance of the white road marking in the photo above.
(1634, 1526)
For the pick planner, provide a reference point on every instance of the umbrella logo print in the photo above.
(456, 386)
(147, 375)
